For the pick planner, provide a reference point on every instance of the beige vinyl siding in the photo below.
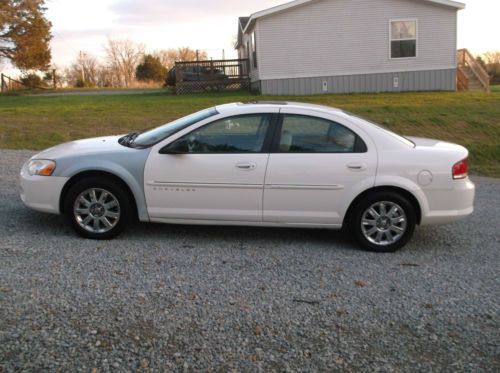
(349, 37)
(247, 37)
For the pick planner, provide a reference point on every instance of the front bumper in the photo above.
(447, 206)
(41, 193)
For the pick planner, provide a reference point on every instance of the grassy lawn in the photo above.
(470, 119)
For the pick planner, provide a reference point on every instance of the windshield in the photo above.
(383, 128)
(157, 134)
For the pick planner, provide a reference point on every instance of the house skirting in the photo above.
(427, 80)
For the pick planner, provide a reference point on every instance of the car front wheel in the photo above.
(383, 222)
(98, 208)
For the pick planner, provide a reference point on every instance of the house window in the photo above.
(403, 38)
(254, 50)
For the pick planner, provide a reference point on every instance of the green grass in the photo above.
(470, 119)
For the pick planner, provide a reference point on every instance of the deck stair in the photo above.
(471, 76)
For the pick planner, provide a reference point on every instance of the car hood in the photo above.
(83, 147)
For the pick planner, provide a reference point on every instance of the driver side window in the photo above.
(238, 134)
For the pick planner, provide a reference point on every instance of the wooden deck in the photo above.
(212, 75)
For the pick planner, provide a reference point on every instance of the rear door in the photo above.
(316, 167)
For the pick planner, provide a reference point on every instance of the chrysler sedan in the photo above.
(273, 164)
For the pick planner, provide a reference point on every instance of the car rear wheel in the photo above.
(383, 222)
(98, 208)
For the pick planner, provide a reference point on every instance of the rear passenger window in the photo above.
(304, 134)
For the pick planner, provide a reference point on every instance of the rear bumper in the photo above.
(41, 193)
(447, 206)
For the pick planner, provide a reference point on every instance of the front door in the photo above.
(314, 171)
(219, 176)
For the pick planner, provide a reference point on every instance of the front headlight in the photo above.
(42, 167)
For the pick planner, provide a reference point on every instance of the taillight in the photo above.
(459, 170)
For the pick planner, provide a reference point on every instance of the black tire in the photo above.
(116, 192)
(360, 223)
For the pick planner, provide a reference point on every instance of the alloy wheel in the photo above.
(96, 210)
(384, 223)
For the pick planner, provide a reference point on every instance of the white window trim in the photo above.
(254, 51)
(416, 38)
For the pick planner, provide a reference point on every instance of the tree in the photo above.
(480, 60)
(83, 72)
(492, 60)
(25, 34)
(106, 77)
(151, 69)
(123, 56)
(52, 78)
(169, 57)
(491, 57)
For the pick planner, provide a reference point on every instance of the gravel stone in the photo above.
(190, 298)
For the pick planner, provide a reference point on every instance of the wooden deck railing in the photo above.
(462, 80)
(466, 60)
(194, 76)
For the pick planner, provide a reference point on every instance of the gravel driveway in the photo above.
(187, 298)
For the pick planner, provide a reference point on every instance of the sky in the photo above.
(85, 25)
(159, 24)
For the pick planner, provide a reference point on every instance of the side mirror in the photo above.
(177, 147)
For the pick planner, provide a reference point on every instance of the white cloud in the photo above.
(153, 12)
(160, 24)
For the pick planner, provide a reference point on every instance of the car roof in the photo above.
(281, 104)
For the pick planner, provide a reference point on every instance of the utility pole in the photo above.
(82, 70)
(223, 54)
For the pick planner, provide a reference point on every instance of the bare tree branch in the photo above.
(123, 56)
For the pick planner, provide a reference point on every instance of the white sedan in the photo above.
(274, 164)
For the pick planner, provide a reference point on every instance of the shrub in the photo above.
(84, 84)
(32, 80)
(151, 69)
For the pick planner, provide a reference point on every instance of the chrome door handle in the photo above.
(356, 166)
(247, 166)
